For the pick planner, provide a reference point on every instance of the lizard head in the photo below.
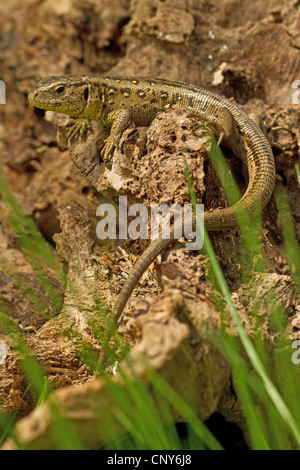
(70, 95)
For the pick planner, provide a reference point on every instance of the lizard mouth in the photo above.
(54, 103)
(32, 98)
(35, 98)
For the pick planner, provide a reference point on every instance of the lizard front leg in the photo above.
(118, 120)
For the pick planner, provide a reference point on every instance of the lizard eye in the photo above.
(60, 90)
(86, 93)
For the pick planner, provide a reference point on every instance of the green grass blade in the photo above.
(272, 391)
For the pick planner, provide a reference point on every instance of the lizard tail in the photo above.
(154, 249)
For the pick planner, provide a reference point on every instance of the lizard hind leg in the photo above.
(226, 129)
(257, 119)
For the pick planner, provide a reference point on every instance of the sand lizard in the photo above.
(121, 100)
